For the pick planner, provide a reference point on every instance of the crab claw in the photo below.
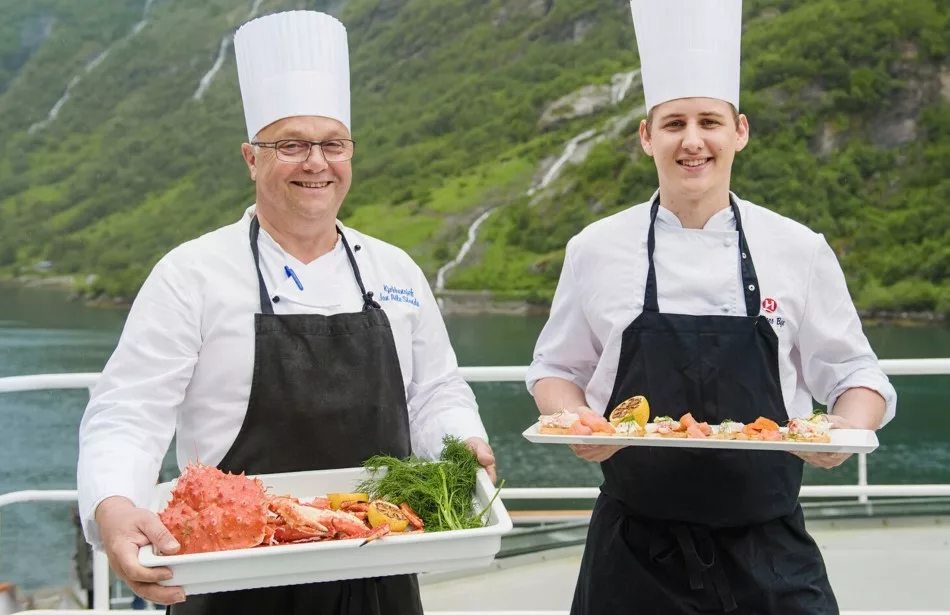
(379, 532)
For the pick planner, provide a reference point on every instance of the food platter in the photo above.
(629, 424)
(842, 441)
(332, 560)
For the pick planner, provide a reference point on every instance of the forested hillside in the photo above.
(122, 125)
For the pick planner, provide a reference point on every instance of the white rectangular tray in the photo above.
(200, 573)
(842, 441)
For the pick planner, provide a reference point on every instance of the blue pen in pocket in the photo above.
(290, 274)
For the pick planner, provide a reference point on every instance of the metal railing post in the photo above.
(863, 476)
(100, 581)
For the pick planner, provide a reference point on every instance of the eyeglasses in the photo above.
(298, 150)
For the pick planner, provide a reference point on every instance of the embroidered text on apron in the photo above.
(327, 393)
(700, 531)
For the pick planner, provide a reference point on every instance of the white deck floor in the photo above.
(882, 565)
(885, 566)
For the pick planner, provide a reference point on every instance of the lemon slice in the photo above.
(381, 512)
(636, 409)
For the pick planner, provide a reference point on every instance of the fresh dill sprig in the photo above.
(441, 492)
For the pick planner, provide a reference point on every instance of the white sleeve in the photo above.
(440, 401)
(130, 419)
(835, 354)
(566, 347)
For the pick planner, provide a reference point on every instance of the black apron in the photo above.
(701, 531)
(327, 393)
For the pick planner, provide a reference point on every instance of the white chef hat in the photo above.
(292, 63)
(688, 48)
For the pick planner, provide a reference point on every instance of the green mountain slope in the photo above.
(452, 111)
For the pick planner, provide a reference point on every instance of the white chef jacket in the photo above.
(822, 349)
(184, 361)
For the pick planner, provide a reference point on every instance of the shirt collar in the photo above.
(722, 220)
(266, 239)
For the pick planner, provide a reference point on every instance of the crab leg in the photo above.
(412, 516)
(379, 532)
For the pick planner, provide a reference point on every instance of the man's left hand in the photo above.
(484, 455)
(829, 460)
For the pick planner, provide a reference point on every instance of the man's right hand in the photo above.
(124, 529)
(594, 452)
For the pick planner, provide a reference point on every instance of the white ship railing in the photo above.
(862, 490)
(124, 612)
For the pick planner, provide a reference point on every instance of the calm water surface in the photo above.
(40, 332)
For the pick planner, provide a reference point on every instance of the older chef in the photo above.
(283, 342)
(702, 303)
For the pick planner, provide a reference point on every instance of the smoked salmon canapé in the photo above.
(582, 422)
(630, 419)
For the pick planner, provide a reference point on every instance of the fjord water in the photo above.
(42, 332)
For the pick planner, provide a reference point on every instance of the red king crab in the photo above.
(211, 510)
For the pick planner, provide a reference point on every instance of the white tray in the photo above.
(842, 441)
(201, 573)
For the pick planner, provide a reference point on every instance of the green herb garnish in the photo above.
(630, 418)
(440, 492)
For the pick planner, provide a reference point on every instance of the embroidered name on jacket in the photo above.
(399, 295)
(770, 305)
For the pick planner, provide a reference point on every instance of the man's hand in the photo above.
(592, 452)
(829, 460)
(484, 455)
(125, 528)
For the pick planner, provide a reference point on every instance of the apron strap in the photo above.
(750, 282)
(368, 302)
(267, 307)
(695, 566)
(650, 301)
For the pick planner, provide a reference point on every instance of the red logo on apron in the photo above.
(769, 305)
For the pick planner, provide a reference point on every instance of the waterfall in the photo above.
(96, 61)
(141, 24)
(555, 169)
(472, 232)
(550, 176)
(208, 77)
(218, 63)
(90, 66)
(621, 85)
(56, 107)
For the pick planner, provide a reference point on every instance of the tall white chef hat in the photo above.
(292, 63)
(688, 48)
